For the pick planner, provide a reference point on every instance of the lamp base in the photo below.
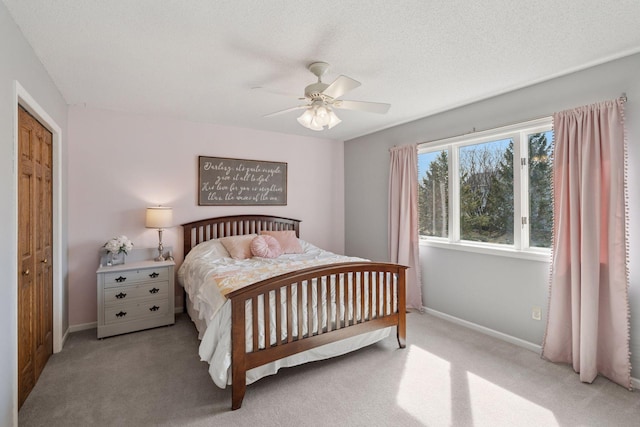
(160, 256)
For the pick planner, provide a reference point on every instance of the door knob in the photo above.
(26, 272)
(44, 261)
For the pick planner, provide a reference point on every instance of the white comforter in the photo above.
(206, 267)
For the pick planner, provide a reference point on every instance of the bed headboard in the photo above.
(235, 225)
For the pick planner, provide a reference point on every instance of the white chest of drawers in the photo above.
(135, 296)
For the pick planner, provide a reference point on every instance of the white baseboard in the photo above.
(487, 331)
(64, 339)
(83, 326)
(635, 383)
(93, 325)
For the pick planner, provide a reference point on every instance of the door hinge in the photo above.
(524, 221)
(523, 161)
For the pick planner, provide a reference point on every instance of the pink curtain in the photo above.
(588, 319)
(403, 218)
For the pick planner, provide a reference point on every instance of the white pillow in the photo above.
(239, 247)
(210, 248)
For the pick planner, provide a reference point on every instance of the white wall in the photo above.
(494, 292)
(121, 163)
(19, 63)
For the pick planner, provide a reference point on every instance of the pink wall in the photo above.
(121, 163)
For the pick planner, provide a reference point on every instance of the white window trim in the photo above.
(518, 132)
(538, 254)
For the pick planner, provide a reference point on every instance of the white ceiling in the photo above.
(232, 61)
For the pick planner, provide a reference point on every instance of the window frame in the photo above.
(519, 133)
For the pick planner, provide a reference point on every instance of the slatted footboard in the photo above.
(310, 308)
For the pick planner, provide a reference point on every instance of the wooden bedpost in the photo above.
(238, 354)
(402, 306)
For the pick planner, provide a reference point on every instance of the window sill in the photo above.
(541, 255)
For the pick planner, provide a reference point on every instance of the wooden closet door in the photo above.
(35, 236)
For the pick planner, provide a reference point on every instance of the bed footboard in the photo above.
(297, 311)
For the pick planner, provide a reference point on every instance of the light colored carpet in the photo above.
(447, 376)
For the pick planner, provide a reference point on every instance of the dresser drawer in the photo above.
(133, 311)
(124, 294)
(136, 296)
(123, 278)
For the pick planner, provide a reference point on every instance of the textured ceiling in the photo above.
(232, 62)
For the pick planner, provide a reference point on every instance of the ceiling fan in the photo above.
(323, 99)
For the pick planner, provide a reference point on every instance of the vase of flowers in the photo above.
(117, 248)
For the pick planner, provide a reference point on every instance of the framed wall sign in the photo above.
(224, 181)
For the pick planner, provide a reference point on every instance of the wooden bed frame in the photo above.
(385, 305)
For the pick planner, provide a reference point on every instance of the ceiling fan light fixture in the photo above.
(306, 118)
(322, 116)
(315, 126)
(333, 119)
(317, 117)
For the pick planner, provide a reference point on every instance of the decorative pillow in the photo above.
(287, 239)
(210, 248)
(239, 247)
(265, 247)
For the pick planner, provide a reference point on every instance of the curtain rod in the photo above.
(622, 98)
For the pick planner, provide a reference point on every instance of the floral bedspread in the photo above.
(208, 274)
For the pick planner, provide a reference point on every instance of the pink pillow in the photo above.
(287, 239)
(265, 247)
(239, 247)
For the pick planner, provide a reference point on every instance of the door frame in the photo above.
(23, 98)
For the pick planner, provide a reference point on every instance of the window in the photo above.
(485, 177)
(489, 190)
(540, 194)
(433, 201)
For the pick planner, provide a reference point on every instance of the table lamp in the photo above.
(159, 217)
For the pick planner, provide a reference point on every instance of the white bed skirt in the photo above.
(215, 347)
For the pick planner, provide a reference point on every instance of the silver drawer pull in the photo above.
(120, 279)
(154, 275)
(121, 295)
(154, 290)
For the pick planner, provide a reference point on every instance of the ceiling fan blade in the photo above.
(371, 107)
(299, 107)
(340, 86)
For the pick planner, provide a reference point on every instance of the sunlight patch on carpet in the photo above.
(494, 405)
(436, 392)
(425, 387)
